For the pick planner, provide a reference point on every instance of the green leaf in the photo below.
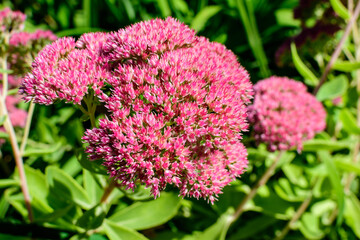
(66, 188)
(115, 231)
(92, 186)
(253, 227)
(289, 192)
(200, 20)
(340, 9)
(352, 213)
(285, 17)
(335, 181)
(4, 135)
(94, 166)
(332, 89)
(8, 71)
(214, 232)
(348, 166)
(140, 215)
(304, 71)
(92, 218)
(5, 183)
(78, 31)
(349, 122)
(42, 151)
(2, 119)
(164, 7)
(309, 225)
(346, 66)
(323, 144)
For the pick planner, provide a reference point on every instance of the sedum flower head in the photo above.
(175, 102)
(284, 114)
(177, 109)
(11, 21)
(63, 71)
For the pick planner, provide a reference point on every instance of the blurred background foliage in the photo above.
(255, 41)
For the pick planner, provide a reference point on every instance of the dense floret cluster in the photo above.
(11, 21)
(176, 104)
(284, 114)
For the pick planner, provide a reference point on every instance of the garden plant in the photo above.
(174, 119)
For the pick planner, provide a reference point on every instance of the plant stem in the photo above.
(262, 181)
(4, 67)
(337, 51)
(295, 217)
(18, 158)
(27, 127)
(108, 190)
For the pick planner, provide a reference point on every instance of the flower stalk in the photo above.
(261, 182)
(337, 51)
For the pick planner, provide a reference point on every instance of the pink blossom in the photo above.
(177, 117)
(176, 104)
(61, 71)
(25, 38)
(149, 37)
(11, 21)
(284, 114)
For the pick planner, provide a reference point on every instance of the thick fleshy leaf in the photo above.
(349, 122)
(352, 213)
(304, 71)
(200, 20)
(325, 144)
(309, 226)
(332, 89)
(335, 181)
(66, 188)
(144, 215)
(340, 9)
(252, 228)
(92, 218)
(116, 231)
(346, 66)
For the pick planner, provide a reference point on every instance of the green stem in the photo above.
(295, 217)
(27, 127)
(111, 186)
(337, 51)
(262, 181)
(4, 67)
(18, 158)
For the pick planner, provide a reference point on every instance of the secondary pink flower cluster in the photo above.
(284, 114)
(26, 38)
(176, 104)
(11, 21)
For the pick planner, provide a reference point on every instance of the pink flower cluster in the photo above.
(64, 71)
(11, 21)
(176, 104)
(284, 114)
(26, 38)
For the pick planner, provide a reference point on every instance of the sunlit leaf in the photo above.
(304, 71)
(340, 9)
(332, 89)
(335, 181)
(140, 215)
(116, 231)
(203, 16)
(65, 187)
(349, 122)
(346, 66)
